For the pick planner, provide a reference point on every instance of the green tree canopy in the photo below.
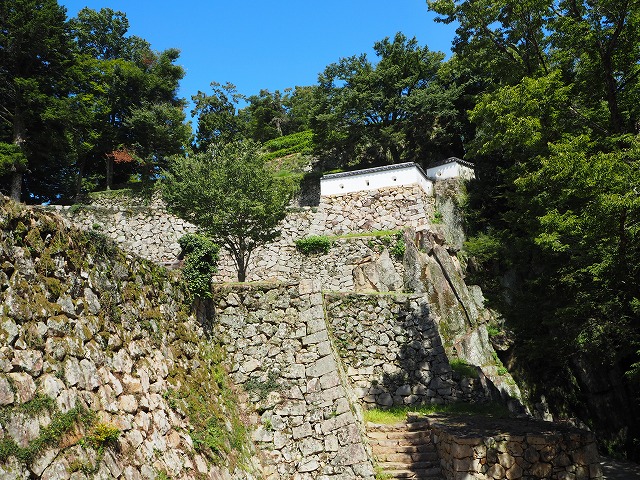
(232, 195)
(217, 116)
(395, 110)
(554, 210)
(129, 101)
(35, 56)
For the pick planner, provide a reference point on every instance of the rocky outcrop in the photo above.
(457, 309)
(104, 372)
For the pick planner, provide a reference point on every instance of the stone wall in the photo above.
(102, 366)
(280, 353)
(145, 228)
(488, 448)
(382, 209)
(392, 350)
(376, 268)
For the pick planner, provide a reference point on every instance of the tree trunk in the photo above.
(81, 164)
(242, 268)
(109, 162)
(612, 94)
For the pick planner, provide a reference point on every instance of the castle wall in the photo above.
(143, 228)
(148, 230)
(391, 176)
(393, 352)
(280, 352)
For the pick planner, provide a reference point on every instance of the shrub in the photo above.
(201, 259)
(314, 244)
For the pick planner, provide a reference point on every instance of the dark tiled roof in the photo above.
(384, 168)
(451, 160)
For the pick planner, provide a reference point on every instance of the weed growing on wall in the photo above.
(315, 244)
(463, 368)
(51, 435)
(399, 247)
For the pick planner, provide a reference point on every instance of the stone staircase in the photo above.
(404, 450)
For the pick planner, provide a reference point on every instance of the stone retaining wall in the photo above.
(280, 353)
(87, 331)
(145, 228)
(484, 448)
(393, 352)
(382, 209)
(283, 262)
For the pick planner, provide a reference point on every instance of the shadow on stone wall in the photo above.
(391, 349)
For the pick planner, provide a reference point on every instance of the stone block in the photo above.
(333, 423)
(496, 471)
(128, 403)
(321, 367)
(302, 431)
(315, 338)
(514, 473)
(25, 387)
(29, 361)
(506, 460)
(462, 451)
(541, 469)
(309, 446)
(308, 466)
(7, 396)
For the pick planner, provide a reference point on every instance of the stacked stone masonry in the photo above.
(280, 352)
(310, 359)
(148, 230)
(472, 448)
(392, 351)
(99, 332)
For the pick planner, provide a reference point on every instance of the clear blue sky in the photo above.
(269, 44)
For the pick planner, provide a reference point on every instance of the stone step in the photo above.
(428, 474)
(390, 442)
(404, 435)
(384, 449)
(413, 466)
(407, 457)
(404, 450)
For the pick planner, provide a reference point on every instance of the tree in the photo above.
(265, 117)
(218, 120)
(396, 110)
(555, 209)
(126, 100)
(35, 55)
(231, 195)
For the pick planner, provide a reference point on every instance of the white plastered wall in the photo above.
(373, 180)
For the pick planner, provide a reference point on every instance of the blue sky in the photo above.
(273, 45)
